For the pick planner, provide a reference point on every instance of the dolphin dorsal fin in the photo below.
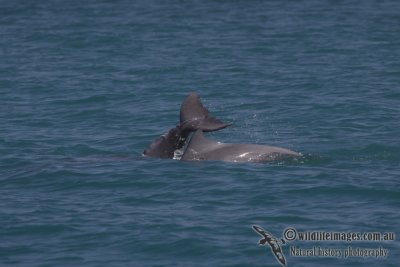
(194, 116)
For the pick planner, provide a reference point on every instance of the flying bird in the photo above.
(274, 243)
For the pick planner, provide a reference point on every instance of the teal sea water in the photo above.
(85, 86)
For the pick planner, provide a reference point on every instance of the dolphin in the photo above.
(193, 116)
(201, 148)
(188, 135)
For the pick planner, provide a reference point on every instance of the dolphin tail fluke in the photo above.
(211, 124)
(194, 116)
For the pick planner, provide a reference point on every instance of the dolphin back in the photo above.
(165, 145)
(197, 145)
(201, 148)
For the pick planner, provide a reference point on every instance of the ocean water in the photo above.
(85, 86)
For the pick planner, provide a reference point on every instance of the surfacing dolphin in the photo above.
(201, 148)
(194, 117)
